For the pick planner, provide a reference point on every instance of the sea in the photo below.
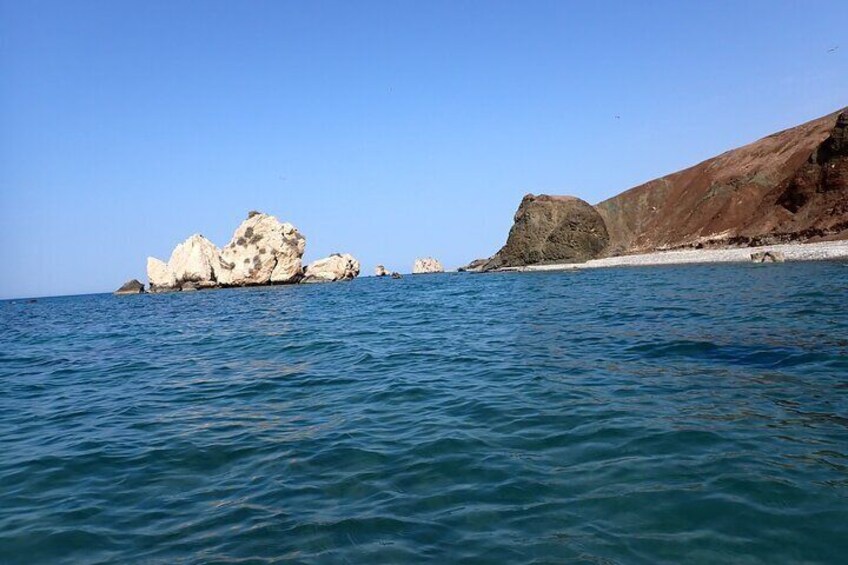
(688, 414)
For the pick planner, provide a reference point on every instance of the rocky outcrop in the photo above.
(474, 266)
(160, 277)
(196, 260)
(263, 250)
(131, 287)
(194, 263)
(551, 229)
(768, 257)
(380, 271)
(336, 267)
(427, 265)
(396, 275)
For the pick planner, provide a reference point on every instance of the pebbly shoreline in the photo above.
(821, 251)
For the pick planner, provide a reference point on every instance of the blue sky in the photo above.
(389, 130)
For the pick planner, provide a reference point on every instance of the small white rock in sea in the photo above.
(336, 267)
(427, 265)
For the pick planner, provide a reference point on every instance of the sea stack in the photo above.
(380, 271)
(336, 267)
(262, 251)
(427, 265)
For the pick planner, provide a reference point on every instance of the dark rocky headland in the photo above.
(789, 187)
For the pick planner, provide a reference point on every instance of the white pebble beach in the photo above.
(821, 251)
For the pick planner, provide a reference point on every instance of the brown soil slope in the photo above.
(789, 186)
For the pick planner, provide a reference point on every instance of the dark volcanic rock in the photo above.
(474, 266)
(552, 229)
(131, 287)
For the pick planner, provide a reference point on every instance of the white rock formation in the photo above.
(380, 271)
(160, 277)
(263, 250)
(336, 267)
(196, 260)
(427, 265)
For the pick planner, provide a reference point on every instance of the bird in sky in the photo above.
(833, 49)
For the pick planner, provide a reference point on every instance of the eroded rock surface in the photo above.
(196, 260)
(552, 229)
(427, 265)
(336, 267)
(160, 277)
(380, 271)
(263, 250)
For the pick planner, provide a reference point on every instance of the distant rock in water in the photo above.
(131, 287)
(263, 250)
(427, 265)
(768, 257)
(552, 229)
(396, 275)
(336, 267)
(196, 260)
(380, 271)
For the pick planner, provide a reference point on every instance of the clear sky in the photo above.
(390, 130)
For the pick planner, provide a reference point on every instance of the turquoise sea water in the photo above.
(685, 414)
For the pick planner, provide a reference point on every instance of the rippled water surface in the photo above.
(694, 414)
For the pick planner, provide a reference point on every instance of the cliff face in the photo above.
(552, 229)
(789, 186)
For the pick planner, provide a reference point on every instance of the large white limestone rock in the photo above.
(263, 250)
(196, 260)
(336, 267)
(380, 271)
(427, 265)
(160, 277)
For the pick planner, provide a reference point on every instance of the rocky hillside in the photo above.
(791, 186)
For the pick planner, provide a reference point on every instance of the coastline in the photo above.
(819, 251)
